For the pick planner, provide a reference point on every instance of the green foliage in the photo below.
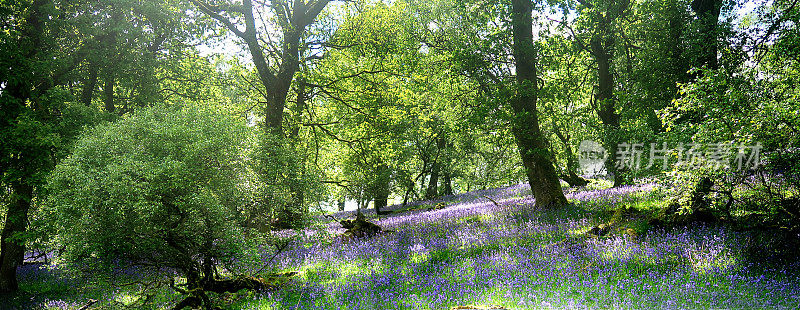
(285, 186)
(743, 110)
(167, 186)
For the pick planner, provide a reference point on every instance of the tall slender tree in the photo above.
(602, 44)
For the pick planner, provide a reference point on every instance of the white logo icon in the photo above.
(592, 157)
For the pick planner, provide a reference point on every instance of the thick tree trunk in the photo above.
(433, 182)
(12, 246)
(110, 44)
(277, 82)
(18, 91)
(447, 182)
(381, 201)
(421, 179)
(273, 112)
(409, 189)
(278, 74)
(303, 95)
(532, 146)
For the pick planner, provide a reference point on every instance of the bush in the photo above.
(166, 188)
(287, 184)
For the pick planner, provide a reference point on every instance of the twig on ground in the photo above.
(492, 200)
(86, 306)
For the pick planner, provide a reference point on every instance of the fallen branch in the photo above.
(331, 217)
(278, 249)
(492, 200)
(91, 302)
(360, 227)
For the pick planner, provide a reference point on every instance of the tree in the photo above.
(707, 16)
(277, 48)
(654, 52)
(601, 18)
(744, 110)
(277, 60)
(565, 99)
(134, 48)
(166, 188)
(532, 147)
(33, 66)
(483, 45)
(383, 103)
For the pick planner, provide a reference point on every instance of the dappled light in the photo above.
(399, 154)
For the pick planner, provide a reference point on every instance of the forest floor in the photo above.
(489, 248)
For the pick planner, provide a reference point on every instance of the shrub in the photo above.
(166, 188)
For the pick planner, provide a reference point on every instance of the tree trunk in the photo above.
(570, 176)
(433, 182)
(89, 85)
(409, 189)
(200, 283)
(707, 12)
(531, 144)
(293, 25)
(602, 47)
(381, 201)
(447, 183)
(421, 179)
(303, 95)
(278, 74)
(447, 186)
(14, 97)
(381, 188)
(110, 43)
(12, 245)
(108, 91)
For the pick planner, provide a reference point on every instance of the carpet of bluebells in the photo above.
(502, 251)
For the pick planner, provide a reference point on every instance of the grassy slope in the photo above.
(510, 254)
(475, 252)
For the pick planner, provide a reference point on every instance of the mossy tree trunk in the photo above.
(530, 141)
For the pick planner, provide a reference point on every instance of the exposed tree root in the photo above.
(359, 228)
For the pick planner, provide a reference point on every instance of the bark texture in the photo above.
(530, 141)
